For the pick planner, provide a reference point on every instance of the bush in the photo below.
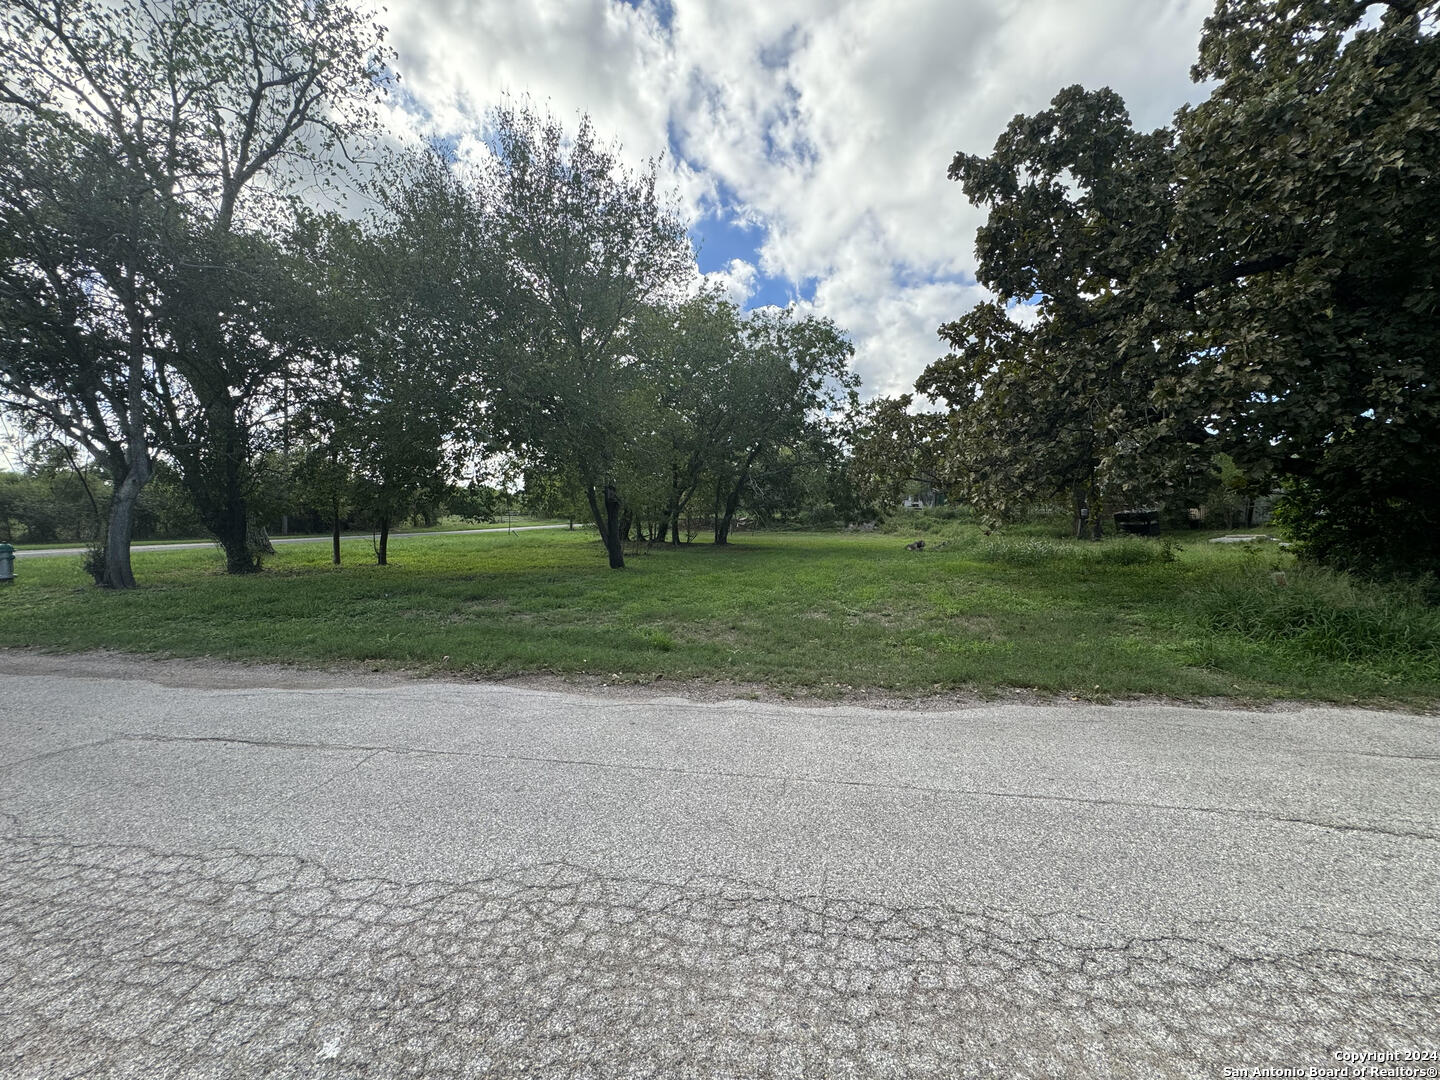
(1360, 532)
(820, 517)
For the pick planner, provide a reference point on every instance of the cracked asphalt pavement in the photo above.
(334, 879)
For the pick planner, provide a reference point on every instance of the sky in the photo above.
(807, 140)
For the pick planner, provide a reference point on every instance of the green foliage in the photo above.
(1057, 407)
(412, 299)
(586, 245)
(151, 155)
(165, 510)
(1362, 531)
(893, 448)
(1258, 280)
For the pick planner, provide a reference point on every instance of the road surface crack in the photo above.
(122, 961)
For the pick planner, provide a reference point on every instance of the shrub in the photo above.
(1376, 536)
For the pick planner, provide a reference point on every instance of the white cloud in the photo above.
(830, 124)
(736, 281)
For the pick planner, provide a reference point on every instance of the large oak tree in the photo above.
(1257, 280)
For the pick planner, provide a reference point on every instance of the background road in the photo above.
(459, 880)
(42, 553)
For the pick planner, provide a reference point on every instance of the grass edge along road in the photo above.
(820, 614)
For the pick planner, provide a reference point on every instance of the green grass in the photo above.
(819, 613)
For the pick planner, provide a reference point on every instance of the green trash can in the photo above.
(7, 564)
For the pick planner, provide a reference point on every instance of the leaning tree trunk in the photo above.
(135, 462)
(732, 501)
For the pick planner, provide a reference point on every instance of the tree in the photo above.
(193, 122)
(692, 353)
(790, 373)
(1308, 236)
(413, 301)
(76, 305)
(1078, 199)
(588, 245)
(554, 494)
(892, 447)
(1258, 280)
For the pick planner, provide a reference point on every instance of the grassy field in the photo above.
(828, 614)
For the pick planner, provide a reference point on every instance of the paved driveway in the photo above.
(447, 880)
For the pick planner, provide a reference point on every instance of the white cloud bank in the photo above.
(829, 125)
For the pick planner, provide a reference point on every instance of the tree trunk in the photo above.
(675, 518)
(219, 496)
(118, 574)
(732, 503)
(136, 460)
(233, 532)
(260, 540)
(614, 543)
(607, 522)
(670, 516)
(732, 500)
(216, 481)
(383, 553)
(335, 535)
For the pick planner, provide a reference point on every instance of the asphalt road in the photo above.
(41, 553)
(205, 876)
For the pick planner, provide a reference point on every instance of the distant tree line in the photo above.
(183, 294)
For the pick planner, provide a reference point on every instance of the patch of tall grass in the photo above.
(1032, 551)
(1326, 617)
(931, 521)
